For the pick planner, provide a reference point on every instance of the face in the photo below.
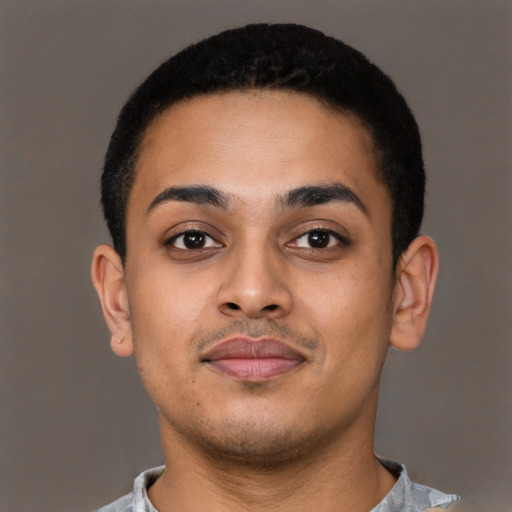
(259, 274)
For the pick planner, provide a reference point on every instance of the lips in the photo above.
(253, 359)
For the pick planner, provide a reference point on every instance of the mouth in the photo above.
(253, 359)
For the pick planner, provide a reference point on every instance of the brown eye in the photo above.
(193, 240)
(319, 239)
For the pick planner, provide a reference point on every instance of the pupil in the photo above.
(318, 239)
(193, 240)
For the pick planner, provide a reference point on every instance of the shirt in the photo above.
(405, 496)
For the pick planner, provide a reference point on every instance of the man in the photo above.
(264, 191)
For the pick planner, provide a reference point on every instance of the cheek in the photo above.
(167, 294)
(351, 312)
(165, 312)
(166, 309)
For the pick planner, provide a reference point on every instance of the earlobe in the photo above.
(121, 346)
(414, 289)
(108, 278)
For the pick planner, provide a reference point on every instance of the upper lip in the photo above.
(245, 347)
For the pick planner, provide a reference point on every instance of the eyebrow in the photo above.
(313, 195)
(199, 194)
(302, 197)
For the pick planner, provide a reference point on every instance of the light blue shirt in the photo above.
(405, 496)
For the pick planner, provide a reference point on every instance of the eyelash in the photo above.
(340, 239)
(197, 232)
(171, 242)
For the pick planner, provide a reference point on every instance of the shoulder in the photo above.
(408, 496)
(124, 504)
(137, 500)
(435, 499)
(458, 506)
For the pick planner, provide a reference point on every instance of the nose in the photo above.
(254, 285)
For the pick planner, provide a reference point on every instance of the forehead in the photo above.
(254, 142)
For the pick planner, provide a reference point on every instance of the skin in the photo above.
(301, 440)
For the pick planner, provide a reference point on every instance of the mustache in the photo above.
(255, 329)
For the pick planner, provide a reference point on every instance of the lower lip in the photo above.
(255, 369)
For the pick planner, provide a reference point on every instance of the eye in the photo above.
(319, 239)
(192, 240)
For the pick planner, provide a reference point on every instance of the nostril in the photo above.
(271, 307)
(232, 305)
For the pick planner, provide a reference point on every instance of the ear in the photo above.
(107, 274)
(414, 288)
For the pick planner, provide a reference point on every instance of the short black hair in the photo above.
(282, 57)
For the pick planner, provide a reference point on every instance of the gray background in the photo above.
(76, 426)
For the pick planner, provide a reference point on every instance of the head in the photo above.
(260, 187)
(277, 57)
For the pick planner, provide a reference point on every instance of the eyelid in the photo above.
(330, 233)
(182, 230)
(342, 240)
(172, 241)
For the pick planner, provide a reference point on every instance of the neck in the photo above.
(340, 471)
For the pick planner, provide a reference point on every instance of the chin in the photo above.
(256, 446)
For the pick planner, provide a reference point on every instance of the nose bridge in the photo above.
(254, 283)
